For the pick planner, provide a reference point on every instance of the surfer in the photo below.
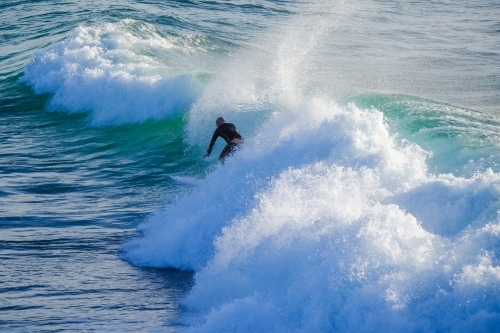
(230, 134)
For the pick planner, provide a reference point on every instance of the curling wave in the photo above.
(331, 225)
(121, 72)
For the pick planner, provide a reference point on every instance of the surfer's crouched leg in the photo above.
(228, 150)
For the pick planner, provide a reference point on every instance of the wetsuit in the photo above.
(230, 134)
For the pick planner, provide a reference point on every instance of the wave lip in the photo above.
(112, 71)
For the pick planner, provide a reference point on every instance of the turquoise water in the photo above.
(366, 197)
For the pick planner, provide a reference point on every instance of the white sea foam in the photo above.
(119, 72)
(328, 224)
(324, 221)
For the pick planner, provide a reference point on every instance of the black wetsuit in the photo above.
(230, 134)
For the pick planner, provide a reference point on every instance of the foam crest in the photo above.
(114, 72)
(329, 137)
(447, 205)
(344, 262)
(327, 223)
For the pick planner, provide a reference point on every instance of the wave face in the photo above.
(116, 72)
(330, 224)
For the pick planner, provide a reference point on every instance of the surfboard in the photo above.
(187, 180)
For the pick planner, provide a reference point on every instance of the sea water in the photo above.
(365, 197)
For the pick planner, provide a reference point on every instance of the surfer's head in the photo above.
(220, 121)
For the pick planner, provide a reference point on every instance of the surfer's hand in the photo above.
(206, 155)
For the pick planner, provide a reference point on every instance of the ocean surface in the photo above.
(366, 197)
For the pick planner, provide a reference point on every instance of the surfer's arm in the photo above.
(212, 143)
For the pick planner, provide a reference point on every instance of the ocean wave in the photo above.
(121, 72)
(326, 223)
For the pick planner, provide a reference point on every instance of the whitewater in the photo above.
(365, 198)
